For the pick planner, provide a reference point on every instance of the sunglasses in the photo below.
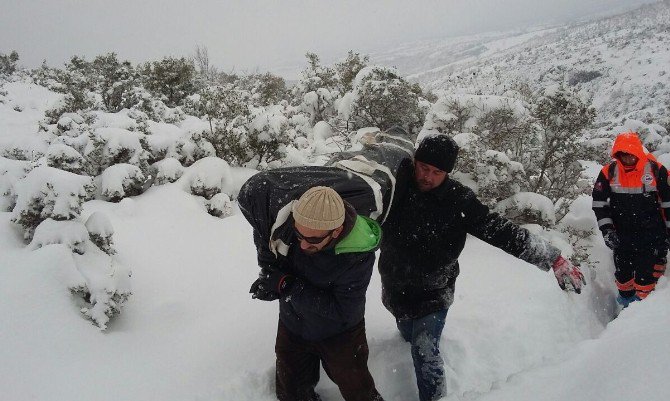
(312, 240)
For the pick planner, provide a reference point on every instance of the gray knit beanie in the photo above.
(320, 208)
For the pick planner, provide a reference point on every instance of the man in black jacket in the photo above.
(316, 256)
(423, 237)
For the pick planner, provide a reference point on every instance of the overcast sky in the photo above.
(245, 35)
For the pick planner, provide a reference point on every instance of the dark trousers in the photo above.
(636, 273)
(424, 336)
(344, 358)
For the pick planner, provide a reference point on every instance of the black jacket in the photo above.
(637, 211)
(424, 235)
(330, 297)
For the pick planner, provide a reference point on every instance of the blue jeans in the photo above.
(424, 336)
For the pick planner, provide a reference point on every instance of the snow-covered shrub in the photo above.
(491, 174)
(170, 78)
(582, 76)
(507, 130)
(319, 105)
(109, 146)
(77, 98)
(267, 138)
(528, 208)
(218, 102)
(100, 232)
(450, 116)
(382, 98)
(561, 118)
(167, 170)
(71, 124)
(114, 80)
(207, 177)
(105, 285)
(498, 177)
(312, 78)
(47, 192)
(265, 89)
(220, 205)
(11, 172)
(120, 181)
(193, 147)
(70, 233)
(348, 69)
(66, 158)
(8, 62)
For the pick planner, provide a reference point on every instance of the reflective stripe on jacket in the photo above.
(635, 202)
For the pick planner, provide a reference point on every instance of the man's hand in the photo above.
(611, 239)
(569, 276)
(261, 289)
(271, 284)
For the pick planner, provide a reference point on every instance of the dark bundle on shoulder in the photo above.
(366, 179)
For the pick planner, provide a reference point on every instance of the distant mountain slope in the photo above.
(621, 63)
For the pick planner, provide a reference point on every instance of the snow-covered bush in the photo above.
(220, 205)
(104, 286)
(66, 158)
(193, 147)
(11, 172)
(71, 124)
(265, 89)
(47, 192)
(114, 80)
(100, 232)
(450, 116)
(382, 98)
(120, 181)
(312, 78)
(267, 137)
(109, 146)
(70, 233)
(8, 63)
(498, 177)
(561, 118)
(528, 208)
(173, 79)
(319, 105)
(167, 170)
(508, 130)
(207, 177)
(348, 68)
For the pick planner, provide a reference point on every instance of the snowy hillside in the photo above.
(168, 258)
(620, 63)
(192, 332)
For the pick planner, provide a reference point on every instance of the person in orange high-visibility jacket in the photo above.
(631, 199)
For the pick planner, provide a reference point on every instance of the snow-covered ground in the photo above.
(192, 332)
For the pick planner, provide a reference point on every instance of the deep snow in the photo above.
(192, 332)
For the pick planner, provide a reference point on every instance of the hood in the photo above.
(629, 142)
(365, 236)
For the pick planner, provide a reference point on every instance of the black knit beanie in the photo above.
(439, 151)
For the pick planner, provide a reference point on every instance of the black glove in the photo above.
(271, 284)
(280, 282)
(611, 239)
(258, 291)
(261, 289)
